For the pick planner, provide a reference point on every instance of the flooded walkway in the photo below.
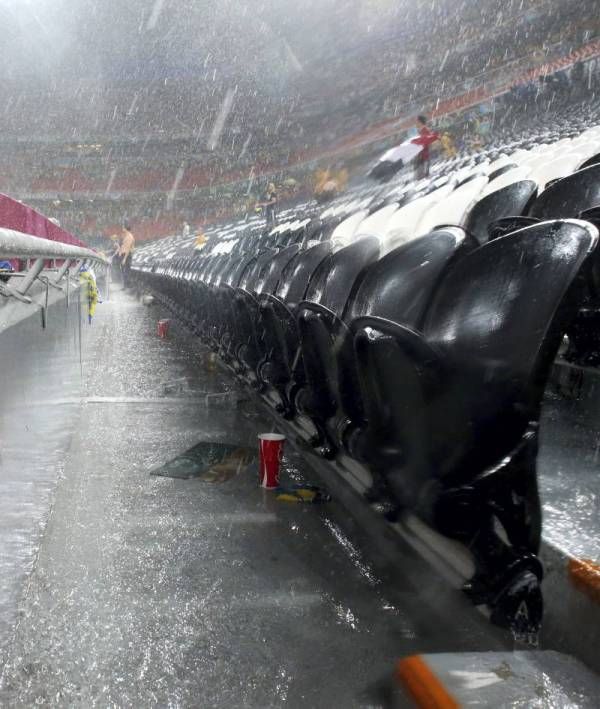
(153, 591)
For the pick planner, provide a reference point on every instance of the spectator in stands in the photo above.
(269, 204)
(201, 239)
(448, 146)
(5, 270)
(185, 231)
(126, 252)
(425, 138)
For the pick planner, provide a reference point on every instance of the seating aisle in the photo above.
(151, 591)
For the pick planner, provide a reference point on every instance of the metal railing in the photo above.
(35, 250)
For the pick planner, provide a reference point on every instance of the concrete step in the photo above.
(496, 680)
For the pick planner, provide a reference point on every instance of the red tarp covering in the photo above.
(20, 217)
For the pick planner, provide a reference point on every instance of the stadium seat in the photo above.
(345, 230)
(510, 201)
(331, 285)
(507, 178)
(400, 283)
(247, 336)
(277, 312)
(452, 410)
(453, 209)
(569, 196)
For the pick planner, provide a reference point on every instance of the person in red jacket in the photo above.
(425, 138)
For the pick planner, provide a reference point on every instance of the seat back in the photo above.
(510, 201)
(501, 170)
(402, 225)
(243, 266)
(560, 166)
(516, 174)
(212, 277)
(495, 308)
(399, 285)
(335, 278)
(252, 275)
(297, 275)
(345, 230)
(375, 223)
(269, 278)
(594, 160)
(569, 196)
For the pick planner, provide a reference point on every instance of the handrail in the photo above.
(15, 244)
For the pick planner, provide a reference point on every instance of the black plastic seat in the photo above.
(277, 312)
(506, 225)
(569, 196)
(399, 285)
(594, 160)
(247, 316)
(453, 410)
(510, 201)
(584, 330)
(229, 335)
(332, 284)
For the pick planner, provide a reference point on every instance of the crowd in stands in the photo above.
(148, 149)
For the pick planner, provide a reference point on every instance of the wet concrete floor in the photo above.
(150, 591)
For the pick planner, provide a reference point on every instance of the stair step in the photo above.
(531, 678)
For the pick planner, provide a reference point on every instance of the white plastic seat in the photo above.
(402, 225)
(374, 224)
(519, 156)
(507, 178)
(500, 162)
(394, 239)
(345, 230)
(559, 167)
(454, 208)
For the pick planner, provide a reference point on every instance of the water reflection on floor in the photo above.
(155, 591)
(569, 464)
(40, 387)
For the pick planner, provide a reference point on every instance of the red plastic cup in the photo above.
(271, 452)
(163, 328)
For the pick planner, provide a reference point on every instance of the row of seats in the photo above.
(412, 332)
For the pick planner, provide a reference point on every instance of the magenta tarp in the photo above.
(20, 217)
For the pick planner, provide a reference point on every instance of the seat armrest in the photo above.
(412, 343)
(307, 306)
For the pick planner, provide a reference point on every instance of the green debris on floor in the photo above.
(207, 461)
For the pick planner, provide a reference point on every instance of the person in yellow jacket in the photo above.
(89, 291)
(448, 146)
(201, 240)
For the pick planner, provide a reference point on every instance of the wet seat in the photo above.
(278, 322)
(228, 335)
(331, 285)
(584, 330)
(212, 302)
(573, 196)
(452, 410)
(398, 285)
(510, 201)
(246, 306)
(454, 207)
(501, 170)
(569, 196)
